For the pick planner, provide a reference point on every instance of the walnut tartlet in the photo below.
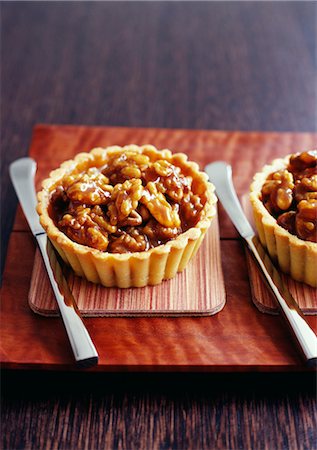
(284, 202)
(127, 216)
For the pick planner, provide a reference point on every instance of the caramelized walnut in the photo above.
(134, 219)
(191, 206)
(306, 220)
(143, 212)
(87, 226)
(299, 162)
(277, 191)
(125, 166)
(126, 197)
(168, 179)
(130, 240)
(158, 233)
(159, 207)
(91, 187)
(306, 188)
(287, 221)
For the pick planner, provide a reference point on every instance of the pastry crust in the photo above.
(135, 269)
(295, 256)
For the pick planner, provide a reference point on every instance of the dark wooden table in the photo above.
(222, 65)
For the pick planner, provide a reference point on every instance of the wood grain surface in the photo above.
(147, 411)
(200, 65)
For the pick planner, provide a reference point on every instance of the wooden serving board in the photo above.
(238, 338)
(197, 291)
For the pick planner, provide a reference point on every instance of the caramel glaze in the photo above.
(138, 232)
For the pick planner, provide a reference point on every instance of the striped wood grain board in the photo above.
(305, 296)
(197, 291)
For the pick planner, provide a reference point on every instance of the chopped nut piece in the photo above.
(306, 220)
(91, 187)
(131, 240)
(191, 206)
(87, 226)
(277, 191)
(125, 166)
(144, 213)
(168, 179)
(160, 234)
(159, 207)
(302, 161)
(306, 188)
(126, 197)
(164, 168)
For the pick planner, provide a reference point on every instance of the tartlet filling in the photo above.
(130, 204)
(290, 195)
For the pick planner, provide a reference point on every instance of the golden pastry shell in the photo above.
(129, 269)
(295, 257)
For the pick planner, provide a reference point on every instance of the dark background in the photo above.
(212, 65)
